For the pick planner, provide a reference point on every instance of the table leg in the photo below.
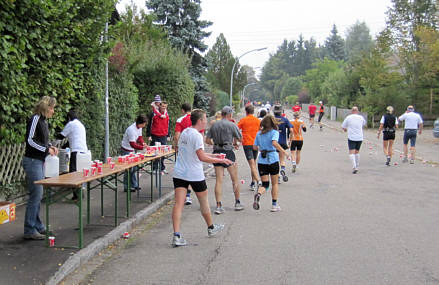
(46, 195)
(115, 203)
(102, 197)
(81, 226)
(88, 202)
(152, 178)
(128, 193)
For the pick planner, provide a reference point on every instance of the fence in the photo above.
(11, 172)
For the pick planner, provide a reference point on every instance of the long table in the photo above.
(71, 181)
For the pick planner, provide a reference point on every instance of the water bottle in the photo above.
(51, 166)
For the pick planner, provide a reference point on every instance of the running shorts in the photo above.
(388, 136)
(410, 135)
(284, 146)
(197, 186)
(250, 153)
(296, 145)
(320, 117)
(354, 144)
(312, 115)
(268, 169)
(229, 155)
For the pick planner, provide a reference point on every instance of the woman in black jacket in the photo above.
(37, 148)
(388, 125)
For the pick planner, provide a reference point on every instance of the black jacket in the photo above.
(37, 138)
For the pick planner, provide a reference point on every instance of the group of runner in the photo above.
(267, 136)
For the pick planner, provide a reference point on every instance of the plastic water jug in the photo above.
(51, 166)
(64, 158)
(83, 160)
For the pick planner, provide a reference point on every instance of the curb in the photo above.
(85, 254)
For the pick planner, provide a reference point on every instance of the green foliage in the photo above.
(292, 99)
(47, 48)
(358, 42)
(334, 46)
(292, 86)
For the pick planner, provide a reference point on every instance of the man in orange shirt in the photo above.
(250, 125)
(296, 139)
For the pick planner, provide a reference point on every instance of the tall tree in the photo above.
(335, 46)
(358, 42)
(180, 18)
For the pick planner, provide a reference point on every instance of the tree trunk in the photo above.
(431, 100)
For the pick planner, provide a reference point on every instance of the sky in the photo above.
(253, 24)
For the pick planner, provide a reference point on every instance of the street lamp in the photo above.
(233, 70)
(243, 92)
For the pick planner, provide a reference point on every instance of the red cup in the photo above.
(85, 172)
(93, 170)
(120, 159)
(222, 155)
(99, 169)
(112, 165)
(126, 235)
(51, 241)
(109, 159)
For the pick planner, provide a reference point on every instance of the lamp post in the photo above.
(243, 91)
(233, 70)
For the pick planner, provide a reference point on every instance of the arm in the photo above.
(421, 125)
(176, 138)
(209, 141)
(204, 157)
(279, 148)
(379, 130)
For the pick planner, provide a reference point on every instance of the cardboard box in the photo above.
(7, 212)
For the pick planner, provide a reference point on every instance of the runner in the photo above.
(297, 108)
(224, 136)
(268, 161)
(261, 114)
(312, 113)
(180, 125)
(283, 126)
(249, 126)
(413, 124)
(353, 124)
(388, 125)
(188, 171)
(321, 113)
(296, 139)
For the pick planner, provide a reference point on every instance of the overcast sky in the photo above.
(252, 24)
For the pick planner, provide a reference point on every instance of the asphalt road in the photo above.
(380, 226)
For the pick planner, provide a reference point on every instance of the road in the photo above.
(380, 226)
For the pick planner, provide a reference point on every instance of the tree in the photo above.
(358, 42)
(180, 18)
(335, 46)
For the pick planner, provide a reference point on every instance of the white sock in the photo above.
(352, 157)
(357, 160)
(294, 163)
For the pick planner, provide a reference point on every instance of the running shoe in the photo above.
(412, 161)
(253, 187)
(275, 208)
(256, 201)
(282, 172)
(354, 171)
(178, 241)
(294, 168)
(238, 206)
(405, 159)
(219, 210)
(388, 161)
(217, 228)
(188, 200)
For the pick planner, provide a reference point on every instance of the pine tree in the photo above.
(335, 46)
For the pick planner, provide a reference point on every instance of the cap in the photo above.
(320, 102)
(226, 110)
(157, 98)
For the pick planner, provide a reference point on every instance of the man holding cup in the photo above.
(224, 136)
(160, 131)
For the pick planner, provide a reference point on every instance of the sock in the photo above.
(282, 167)
(237, 201)
(218, 204)
(352, 157)
(357, 159)
(253, 183)
(177, 234)
(273, 202)
(210, 227)
(188, 194)
(294, 162)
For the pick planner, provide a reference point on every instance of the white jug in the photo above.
(51, 166)
(64, 158)
(83, 160)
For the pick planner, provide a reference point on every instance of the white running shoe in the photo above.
(275, 208)
(217, 228)
(178, 241)
(219, 210)
(188, 200)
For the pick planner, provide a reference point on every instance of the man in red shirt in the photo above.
(160, 129)
(297, 108)
(312, 113)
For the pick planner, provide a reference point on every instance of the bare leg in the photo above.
(293, 155)
(261, 189)
(204, 207)
(219, 172)
(405, 149)
(412, 152)
(274, 187)
(254, 171)
(180, 195)
(298, 157)
(282, 159)
(233, 171)
(385, 148)
(390, 148)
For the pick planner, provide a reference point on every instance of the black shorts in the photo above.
(197, 186)
(320, 117)
(250, 153)
(296, 145)
(266, 169)
(388, 136)
(354, 144)
(229, 155)
(312, 115)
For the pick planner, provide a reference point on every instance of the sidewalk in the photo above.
(31, 262)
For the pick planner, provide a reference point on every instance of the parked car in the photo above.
(436, 128)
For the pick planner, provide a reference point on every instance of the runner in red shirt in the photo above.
(312, 113)
(297, 108)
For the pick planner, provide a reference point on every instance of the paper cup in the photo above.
(93, 171)
(85, 172)
(51, 241)
(109, 159)
(222, 155)
(112, 165)
(99, 169)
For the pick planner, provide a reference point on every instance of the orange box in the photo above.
(7, 212)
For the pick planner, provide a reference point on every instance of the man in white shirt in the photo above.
(354, 124)
(413, 124)
(188, 170)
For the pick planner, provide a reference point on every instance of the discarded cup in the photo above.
(242, 181)
(51, 241)
(126, 235)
